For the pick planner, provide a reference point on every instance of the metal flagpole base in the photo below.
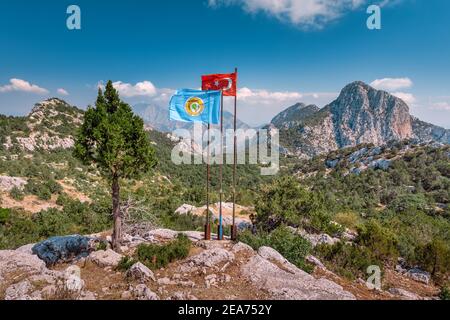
(233, 232)
(219, 233)
(207, 232)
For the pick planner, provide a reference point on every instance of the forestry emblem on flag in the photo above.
(195, 106)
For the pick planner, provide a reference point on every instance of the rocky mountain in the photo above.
(157, 118)
(361, 114)
(50, 125)
(294, 115)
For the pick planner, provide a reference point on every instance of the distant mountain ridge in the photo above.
(158, 118)
(360, 115)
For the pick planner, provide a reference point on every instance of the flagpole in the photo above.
(220, 233)
(208, 169)
(233, 227)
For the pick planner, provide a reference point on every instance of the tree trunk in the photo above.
(117, 233)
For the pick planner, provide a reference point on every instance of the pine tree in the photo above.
(113, 139)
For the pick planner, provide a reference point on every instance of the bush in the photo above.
(381, 241)
(43, 190)
(125, 264)
(286, 202)
(4, 215)
(16, 194)
(445, 293)
(293, 247)
(156, 256)
(434, 257)
(348, 260)
(348, 219)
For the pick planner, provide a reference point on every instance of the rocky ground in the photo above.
(213, 270)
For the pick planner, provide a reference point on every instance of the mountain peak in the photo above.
(294, 115)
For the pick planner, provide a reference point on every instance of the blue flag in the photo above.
(189, 105)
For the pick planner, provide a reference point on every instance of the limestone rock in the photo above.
(242, 247)
(9, 183)
(140, 272)
(287, 282)
(404, 294)
(108, 258)
(419, 275)
(142, 292)
(208, 258)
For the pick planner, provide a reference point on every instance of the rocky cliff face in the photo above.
(361, 114)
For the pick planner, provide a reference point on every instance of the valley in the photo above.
(362, 183)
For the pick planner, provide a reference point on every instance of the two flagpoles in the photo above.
(216, 82)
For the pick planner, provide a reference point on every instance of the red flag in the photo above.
(225, 82)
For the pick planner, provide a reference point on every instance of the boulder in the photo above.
(284, 281)
(242, 247)
(185, 209)
(208, 259)
(142, 292)
(419, 275)
(108, 258)
(140, 272)
(9, 183)
(21, 291)
(164, 234)
(19, 263)
(404, 294)
(63, 249)
(194, 235)
(316, 262)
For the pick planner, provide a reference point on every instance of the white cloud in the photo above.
(259, 106)
(23, 86)
(409, 98)
(304, 13)
(140, 89)
(62, 92)
(392, 84)
(266, 97)
(440, 106)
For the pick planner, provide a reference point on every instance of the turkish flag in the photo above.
(225, 82)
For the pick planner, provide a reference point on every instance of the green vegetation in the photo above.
(285, 201)
(18, 228)
(159, 256)
(445, 294)
(348, 260)
(293, 247)
(113, 139)
(125, 263)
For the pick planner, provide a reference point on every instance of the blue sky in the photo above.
(286, 50)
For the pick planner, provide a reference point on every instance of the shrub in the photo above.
(286, 202)
(434, 257)
(293, 247)
(381, 241)
(348, 219)
(348, 260)
(4, 215)
(156, 256)
(16, 194)
(125, 264)
(445, 293)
